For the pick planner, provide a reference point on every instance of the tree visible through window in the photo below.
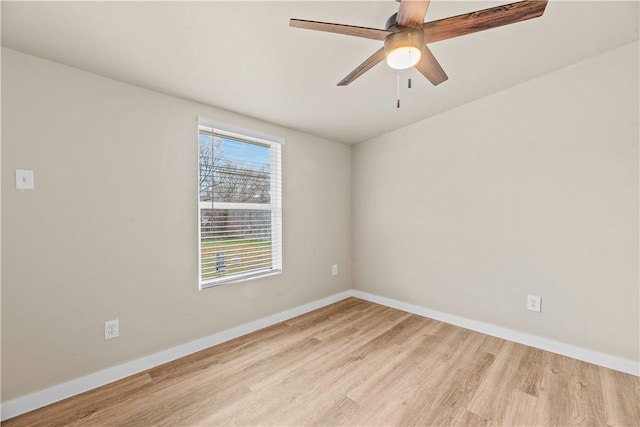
(240, 207)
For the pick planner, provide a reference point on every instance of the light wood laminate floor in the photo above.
(358, 363)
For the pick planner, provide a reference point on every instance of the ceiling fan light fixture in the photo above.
(403, 49)
(403, 57)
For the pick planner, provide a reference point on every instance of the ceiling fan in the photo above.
(406, 35)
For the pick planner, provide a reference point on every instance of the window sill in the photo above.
(238, 278)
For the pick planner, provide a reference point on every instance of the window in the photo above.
(240, 205)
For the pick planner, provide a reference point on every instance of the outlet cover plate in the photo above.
(111, 329)
(533, 303)
(24, 179)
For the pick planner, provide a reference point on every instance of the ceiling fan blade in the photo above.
(482, 20)
(430, 68)
(349, 30)
(368, 64)
(411, 13)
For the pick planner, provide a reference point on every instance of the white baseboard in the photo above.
(586, 355)
(62, 391)
(71, 388)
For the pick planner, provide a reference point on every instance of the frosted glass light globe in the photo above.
(403, 57)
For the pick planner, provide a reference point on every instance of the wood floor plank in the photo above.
(438, 385)
(586, 386)
(621, 394)
(521, 409)
(455, 397)
(356, 363)
(530, 370)
(489, 400)
(86, 404)
(341, 410)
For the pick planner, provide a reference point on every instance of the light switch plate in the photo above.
(24, 179)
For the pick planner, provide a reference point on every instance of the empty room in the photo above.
(328, 213)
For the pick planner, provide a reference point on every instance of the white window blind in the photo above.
(240, 206)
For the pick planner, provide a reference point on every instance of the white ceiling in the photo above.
(243, 57)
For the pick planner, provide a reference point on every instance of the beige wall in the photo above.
(533, 190)
(110, 230)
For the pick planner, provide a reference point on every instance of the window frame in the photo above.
(274, 206)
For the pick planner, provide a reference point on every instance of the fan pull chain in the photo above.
(409, 82)
(398, 89)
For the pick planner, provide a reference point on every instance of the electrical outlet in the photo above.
(334, 269)
(111, 329)
(24, 179)
(533, 303)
